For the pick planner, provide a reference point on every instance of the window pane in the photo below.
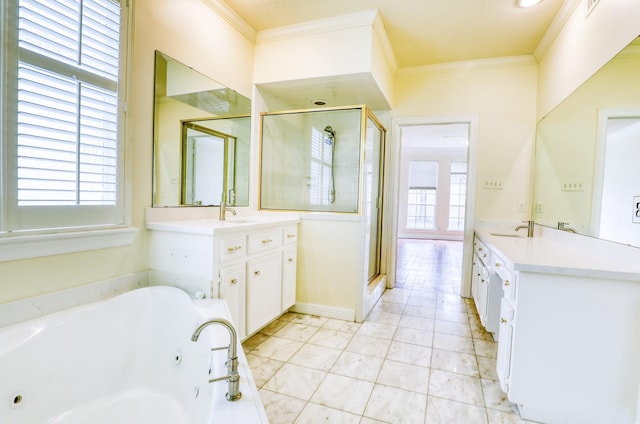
(458, 185)
(67, 129)
(421, 200)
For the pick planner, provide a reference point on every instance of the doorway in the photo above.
(435, 195)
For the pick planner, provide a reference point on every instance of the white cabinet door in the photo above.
(232, 289)
(505, 338)
(289, 260)
(483, 294)
(264, 290)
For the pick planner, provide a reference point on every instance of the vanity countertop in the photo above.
(232, 224)
(552, 251)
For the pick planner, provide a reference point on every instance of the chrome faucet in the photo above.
(529, 227)
(232, 357)
(224, 209)
(563, 226)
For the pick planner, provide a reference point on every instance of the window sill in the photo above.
(17, 247)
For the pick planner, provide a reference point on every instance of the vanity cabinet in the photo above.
(252, 265)
(568, 337)
(486, 287)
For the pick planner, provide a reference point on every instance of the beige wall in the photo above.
(191, 32)
(502, 94)
(583, 46)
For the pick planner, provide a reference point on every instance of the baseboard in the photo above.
(324, 311)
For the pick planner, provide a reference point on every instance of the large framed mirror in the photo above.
(201, 139)
(587, 151)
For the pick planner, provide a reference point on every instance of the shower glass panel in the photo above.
(311, 160)
(373, 197)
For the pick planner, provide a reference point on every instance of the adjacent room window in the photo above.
(457, 195)
(63, 103)
(421, 202)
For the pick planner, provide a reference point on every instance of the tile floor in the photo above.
(421, 356)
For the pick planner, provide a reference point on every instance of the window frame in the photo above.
(66, 232)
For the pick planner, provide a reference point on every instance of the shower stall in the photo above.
(328, 164)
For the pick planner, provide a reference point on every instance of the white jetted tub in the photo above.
(125, 360)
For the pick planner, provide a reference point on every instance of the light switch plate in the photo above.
(492, 184)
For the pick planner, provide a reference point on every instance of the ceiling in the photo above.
(424, 32)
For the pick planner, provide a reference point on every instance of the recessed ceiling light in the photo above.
(319, 102)
(527, 3)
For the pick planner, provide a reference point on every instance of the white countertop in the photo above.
(230, 225)
(552, 251)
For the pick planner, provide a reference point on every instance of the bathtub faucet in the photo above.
(232, 357)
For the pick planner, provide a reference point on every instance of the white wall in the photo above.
(583, 46)
(502, 94)
(193, 33)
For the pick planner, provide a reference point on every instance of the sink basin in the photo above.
(506, 235)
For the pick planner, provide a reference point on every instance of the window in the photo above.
(62, 71)
(321, 173)
(457, 195)
(422, 193)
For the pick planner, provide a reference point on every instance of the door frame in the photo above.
(397, 124)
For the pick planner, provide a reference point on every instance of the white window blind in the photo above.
(67, 114)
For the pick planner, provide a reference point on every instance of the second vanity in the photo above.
(248, 261)
(565, 310)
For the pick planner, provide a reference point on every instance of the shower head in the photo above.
(330, 130)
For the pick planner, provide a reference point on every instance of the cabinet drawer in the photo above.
(264, 241)
(481, 250)
(291, 234)
(507, 275)
(231, 248)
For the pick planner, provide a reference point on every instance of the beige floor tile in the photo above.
(454, 328)
(487, 368)
(461, 363)
(417, 322)
(404, 376)
(366, 345)
(331, 338)
(486, 348)
(393, 405)
(376, 329)
(356, 365)
(495, 398)
(502, 417)
(262, 369)
(295, 381)
(280, 409)
(273, 327)
(414, 336)
(312, 320)
(382, 317)
(317, 357)
(445, 411)
(297, 332)
(318, 414)
(458, 387)
(420, 311)
(343, 393)
(454, 316)
(277, 348)
(410, 353)
(453, 343)
(340, 325)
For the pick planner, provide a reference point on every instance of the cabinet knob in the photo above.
(497, 263)
(256, 273)
(507, 283)
(502, 320)
(290, 259)
(234, 281)
(482, 281)
(265, 241)
(484, 255)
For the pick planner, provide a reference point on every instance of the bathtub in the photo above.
(128, 359)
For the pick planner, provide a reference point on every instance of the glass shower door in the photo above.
(373, 177)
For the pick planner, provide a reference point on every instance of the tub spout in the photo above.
(232, 357)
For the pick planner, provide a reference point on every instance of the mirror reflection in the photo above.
(585, 176)
(202, 133)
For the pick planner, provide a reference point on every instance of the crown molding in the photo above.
(230, 15)
(466, 65)
(564, 13)
(380, 32)
(335, 23)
